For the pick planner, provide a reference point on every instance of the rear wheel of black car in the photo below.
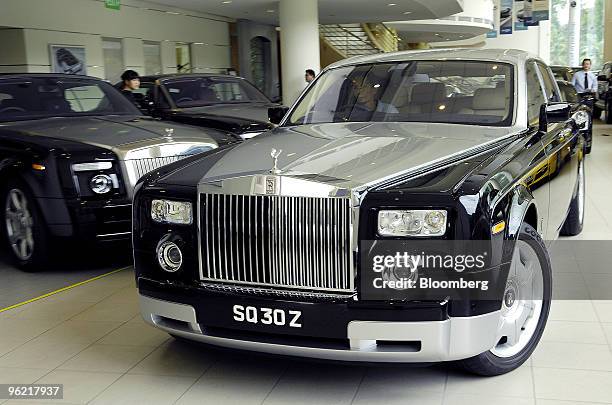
(524, 310)
(575, 216)
(596, 112)
(23, 228)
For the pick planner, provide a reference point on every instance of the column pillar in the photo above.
(607, 39)
(299, 38)
(574, 32)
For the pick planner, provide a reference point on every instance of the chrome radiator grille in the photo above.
(141, 167)
(277, 241)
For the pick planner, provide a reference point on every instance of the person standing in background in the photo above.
(309, 76)
(584, 81)
(130, 81)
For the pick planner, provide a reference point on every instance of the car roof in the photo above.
(47, 75)
(513, 56)
(152, 78)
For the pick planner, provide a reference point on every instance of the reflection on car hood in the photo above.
(247, 111)
(354, 154)
(112, 131)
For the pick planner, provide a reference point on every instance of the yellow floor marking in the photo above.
(63, 289)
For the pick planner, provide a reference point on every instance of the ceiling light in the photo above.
(269, 11)
(391, 4)
(407, 12)
(226, 2)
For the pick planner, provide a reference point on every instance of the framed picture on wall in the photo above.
(68, 59)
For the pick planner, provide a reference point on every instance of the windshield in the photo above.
(201, 91)
(476, 93)
(40, 97)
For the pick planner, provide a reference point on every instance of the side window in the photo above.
(549, 84)
(535, 96)
(84, 98)
(228, 91)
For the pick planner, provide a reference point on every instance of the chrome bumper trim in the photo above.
(451, 339)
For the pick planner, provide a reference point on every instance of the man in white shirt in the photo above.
(585, 81)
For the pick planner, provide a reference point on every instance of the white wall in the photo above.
(85, 22)
(535, 40)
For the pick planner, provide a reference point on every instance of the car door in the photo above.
(560, 141)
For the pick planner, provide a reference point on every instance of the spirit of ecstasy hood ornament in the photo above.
(275, 154)
(169, 132)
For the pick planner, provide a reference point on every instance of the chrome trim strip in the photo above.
(106, 235)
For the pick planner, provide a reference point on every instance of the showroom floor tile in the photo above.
(92, 340)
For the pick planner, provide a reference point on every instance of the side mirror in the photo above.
(554, 112)
(276, 114)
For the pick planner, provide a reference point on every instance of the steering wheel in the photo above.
(14, 109)
(183, 99)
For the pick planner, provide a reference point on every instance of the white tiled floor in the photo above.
(92, 340)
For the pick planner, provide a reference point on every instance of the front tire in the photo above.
(524, 310)
(23, 228)
(574, 221)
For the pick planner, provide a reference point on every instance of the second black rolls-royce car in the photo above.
(224, 102)
(71, 150)
(267, 245)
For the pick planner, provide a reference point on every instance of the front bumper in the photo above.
(88, 220)
(453, 338)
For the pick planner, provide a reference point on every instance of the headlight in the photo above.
(171, 212)
(101, 183)
(412, 222)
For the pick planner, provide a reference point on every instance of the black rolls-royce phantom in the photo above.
(71, 150)
(224, 102)
(267, 245)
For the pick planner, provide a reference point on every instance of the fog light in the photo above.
(101, 183)
(401, 277)
(169, 256)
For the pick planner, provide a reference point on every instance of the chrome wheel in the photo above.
(522, 302)
(19, 224)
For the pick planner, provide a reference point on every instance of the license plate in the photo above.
(267, 316)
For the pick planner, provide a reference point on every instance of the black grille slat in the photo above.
(277, 241)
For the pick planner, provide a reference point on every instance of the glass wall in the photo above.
(152, 58)
(112, 50)
(590, 14)
(183, 58)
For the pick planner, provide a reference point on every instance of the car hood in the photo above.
(247, 111)
(111, 132)
(239, 117)
(355, 154)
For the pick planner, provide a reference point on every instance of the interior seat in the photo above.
(488, 101)
(425, 96)
(56, 104)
